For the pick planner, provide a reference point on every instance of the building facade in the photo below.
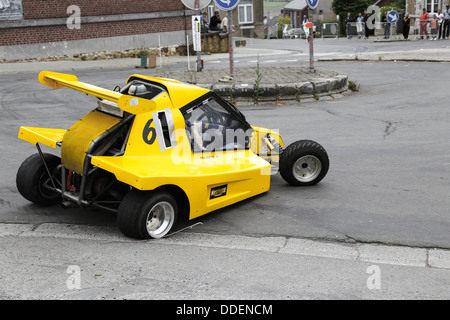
(297, 9)
(415, 7)
(248, 17)
(39, 28)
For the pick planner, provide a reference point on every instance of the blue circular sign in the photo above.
(393, 16)
(226, 5)
(313, 3)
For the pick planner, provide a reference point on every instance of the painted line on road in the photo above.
(361, 252)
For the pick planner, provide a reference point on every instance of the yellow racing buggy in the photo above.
(157, 148)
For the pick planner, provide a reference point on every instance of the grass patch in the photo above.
(353, 86)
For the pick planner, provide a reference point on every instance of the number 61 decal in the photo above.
(164, 130)
(147, 131)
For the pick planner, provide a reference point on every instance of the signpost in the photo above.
(312, 4)
(229, 5)
(196, 33)
(226, 5)
(197, 5)
(393, 16)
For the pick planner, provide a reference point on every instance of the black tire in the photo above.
(134, 214)
(304, 163)
(32, 176)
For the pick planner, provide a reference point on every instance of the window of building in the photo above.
(245, 13)
(432, 5)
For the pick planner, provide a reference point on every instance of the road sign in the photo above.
(196, 4)
(196, 33)
(312, 3)
(393, 16)
(226, 5)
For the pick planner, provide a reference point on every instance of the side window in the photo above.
(210, 127)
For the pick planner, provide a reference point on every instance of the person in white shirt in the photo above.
(224, 24)
(440, 19)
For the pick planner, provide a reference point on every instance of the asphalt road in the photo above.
(388, 181)
(387, 144)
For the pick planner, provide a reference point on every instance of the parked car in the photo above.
(293, 33)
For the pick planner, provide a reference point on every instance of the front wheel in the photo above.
(147, 214)
(304, 163)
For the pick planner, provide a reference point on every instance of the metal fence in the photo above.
(356, 29)
(330, 30)
(423, 29)
(382, 30)
(272, 31)
(385, 30)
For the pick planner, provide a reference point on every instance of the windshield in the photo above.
(211, 127)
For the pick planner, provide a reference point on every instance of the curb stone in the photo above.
(285, 91)
(363, 252)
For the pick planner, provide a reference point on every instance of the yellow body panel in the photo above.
(260, 146)
(46, 136)
(81, 135)
(127, 103)
(244, 174)
(179, 92)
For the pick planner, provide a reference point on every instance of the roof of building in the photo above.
(296, 5)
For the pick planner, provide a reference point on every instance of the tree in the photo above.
(281, 22)
(342, 7)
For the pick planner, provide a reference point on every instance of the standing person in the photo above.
(348, 22)
(214, 22)
(266, 29)
(406, 25)
(360, 26)
(224, 24)
(440, 18)
(434, 27)
(386, 25)
(305, 29)
(424, 17)
(366, 27)
(446, 29)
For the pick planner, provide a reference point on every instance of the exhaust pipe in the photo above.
(68, 204)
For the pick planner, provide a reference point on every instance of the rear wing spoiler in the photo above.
(130, 104)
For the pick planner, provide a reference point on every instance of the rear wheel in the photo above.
(304, 163)
(147, 214)
(33, 182)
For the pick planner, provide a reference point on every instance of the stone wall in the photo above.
(215, 42)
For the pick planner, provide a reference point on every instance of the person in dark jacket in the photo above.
(406, 25)
(348, 22)
(214, 23)
(366, 27)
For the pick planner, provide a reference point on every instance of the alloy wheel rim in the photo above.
(160, 219)
(307, 168)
